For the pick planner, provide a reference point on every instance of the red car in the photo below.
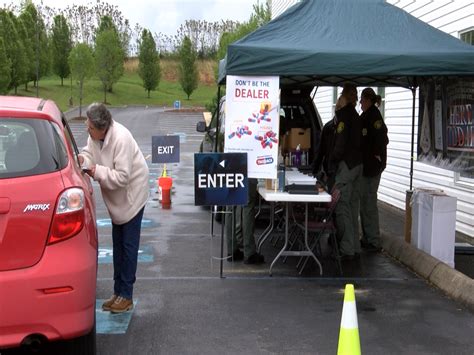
(48, 232)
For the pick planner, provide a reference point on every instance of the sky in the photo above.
(166, 16)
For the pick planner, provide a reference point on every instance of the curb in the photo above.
(453, 283)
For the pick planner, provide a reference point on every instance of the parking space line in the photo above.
(153, 235)
(265, 276)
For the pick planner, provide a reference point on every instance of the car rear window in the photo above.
(30, 147)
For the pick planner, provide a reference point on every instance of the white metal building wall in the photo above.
(278, 6)
(450, 16)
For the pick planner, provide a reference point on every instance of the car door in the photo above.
(74, 176)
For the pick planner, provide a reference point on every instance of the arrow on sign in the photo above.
(222, 163)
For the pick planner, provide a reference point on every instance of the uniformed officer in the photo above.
(323, 168)
(244, 230)
(347, 155)
(374, 155)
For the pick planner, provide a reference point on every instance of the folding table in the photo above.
(273, 196)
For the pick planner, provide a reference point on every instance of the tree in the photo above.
(188, 70)
(5, 68)
(109, 55)
(204, 36)
(84, 20)
(81, 63)
(38, 38)
(25, 22)
(13, 47)
(106, 24)
(149, 62)
(109, 60)
(260, 16)
(61, 47)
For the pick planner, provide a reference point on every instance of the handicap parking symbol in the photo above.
(107, 222)
(105, 255)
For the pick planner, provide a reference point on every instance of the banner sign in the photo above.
(460, 122)
(252, 122)
(447, 108)
(220, 179)
(165, 149)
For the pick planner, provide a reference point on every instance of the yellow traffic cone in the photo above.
(349, 343)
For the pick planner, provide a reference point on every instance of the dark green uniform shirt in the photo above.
(325, 149)
(348, 137)
(374, 142)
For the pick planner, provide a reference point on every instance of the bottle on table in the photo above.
(298, 156)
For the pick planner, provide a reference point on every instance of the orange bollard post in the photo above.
(165, 183)
(158, 189)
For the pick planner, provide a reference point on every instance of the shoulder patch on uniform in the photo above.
(340, 127)
(378, 124)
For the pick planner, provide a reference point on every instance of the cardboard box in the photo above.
(270, 184)
(298, 136)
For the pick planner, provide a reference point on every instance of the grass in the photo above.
(129, 90)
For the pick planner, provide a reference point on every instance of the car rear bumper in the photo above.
(25, 307)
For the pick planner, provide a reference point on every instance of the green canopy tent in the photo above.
(328, 42)
(366, 42)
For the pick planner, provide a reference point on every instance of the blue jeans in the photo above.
(126, 240)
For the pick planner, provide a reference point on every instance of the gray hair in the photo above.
(99, 116)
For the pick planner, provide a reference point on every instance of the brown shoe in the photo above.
(108, 303)
(121, 305)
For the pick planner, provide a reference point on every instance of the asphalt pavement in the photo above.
(183, 306)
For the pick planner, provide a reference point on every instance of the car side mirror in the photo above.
(201, 127)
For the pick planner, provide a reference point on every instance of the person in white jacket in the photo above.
(113, 159)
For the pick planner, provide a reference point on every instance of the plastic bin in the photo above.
(434, 224)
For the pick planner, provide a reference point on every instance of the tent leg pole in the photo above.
(412, 156)
(408, 220)
(217, 117)
(409, 192)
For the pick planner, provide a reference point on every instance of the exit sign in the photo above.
(165, 149)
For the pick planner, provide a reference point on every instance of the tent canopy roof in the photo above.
(328, 42)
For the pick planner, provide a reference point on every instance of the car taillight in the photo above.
(68, 218)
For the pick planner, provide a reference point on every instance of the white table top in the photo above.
(272, 195)
(296, 177)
